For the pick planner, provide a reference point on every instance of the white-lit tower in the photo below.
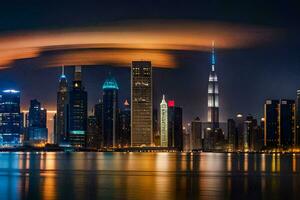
(213, 93)
(163, 123)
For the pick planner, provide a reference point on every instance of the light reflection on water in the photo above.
(149, 176)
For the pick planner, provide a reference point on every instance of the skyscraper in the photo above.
(110, 108)
(124, 126)
(287, 122)
(37, 120)
(271, 125)
(98, 112)
(61, 131)
(164, 123)
(232, 136)
(92, 135)
(175, 134)
(141, 100)
(10, 118)
(77, 111)
(213, 94)
(196, 131)
(297, 123)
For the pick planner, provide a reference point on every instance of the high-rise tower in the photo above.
(10, 118)
(141, 100)
(110, 110)
(164, 123)
(213, 93)
(61, 131)
(77, 111)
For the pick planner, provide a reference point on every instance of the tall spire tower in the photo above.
(61, 132)
(164, 123)
(213, 93)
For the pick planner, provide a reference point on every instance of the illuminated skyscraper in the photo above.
(141, 100)
(10, 118)
(213, 93)
(37, 120)
(164, 123)
(61, 130)
(77, 111)
(175, 134)
(110, 108)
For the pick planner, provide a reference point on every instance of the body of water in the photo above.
(95, 175)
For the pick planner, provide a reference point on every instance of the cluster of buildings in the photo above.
(136, 123)
(111, 124)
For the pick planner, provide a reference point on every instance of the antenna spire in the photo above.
(213, 59)
(62, 70)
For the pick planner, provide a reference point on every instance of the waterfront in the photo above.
(92, 175)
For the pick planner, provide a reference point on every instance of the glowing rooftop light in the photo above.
(239, 115)
(10, 91)
(110, 83)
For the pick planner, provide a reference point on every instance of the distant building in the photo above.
(110, 110)
(141, 100)
(232, 135)
(196, 131)
(77, 111)
(37, 123)
(186, 131)
(61, 132)
(297, 121)
(279, 123)
(250, 133)
(164, 122)
(155, 129)
(124, 139)
(10, 118)
(92, 134)
(240, 131)
(98, 113)
(271, 129)
(287, 132)
(175, 135)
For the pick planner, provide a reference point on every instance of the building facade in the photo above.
(175, 135)
(37, 123)
(271, 125)
(124, 139)
(110, 111)
(196, 134)
(141, 104)
(287, 132)
(77, 111)
(92, 135)
(10, 118)
(164, 123)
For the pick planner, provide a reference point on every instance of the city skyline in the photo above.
(268, 68)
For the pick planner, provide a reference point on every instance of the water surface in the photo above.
(149, 176)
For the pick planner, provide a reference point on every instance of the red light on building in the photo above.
(171, 103)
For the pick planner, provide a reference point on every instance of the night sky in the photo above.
(248, 74)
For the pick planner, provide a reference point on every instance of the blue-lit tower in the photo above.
(213, 93)
(77, 111)
(37, 123)
(110, 110)
(10, 118)
(61, 135)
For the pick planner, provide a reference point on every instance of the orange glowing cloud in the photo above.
(119, 44)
